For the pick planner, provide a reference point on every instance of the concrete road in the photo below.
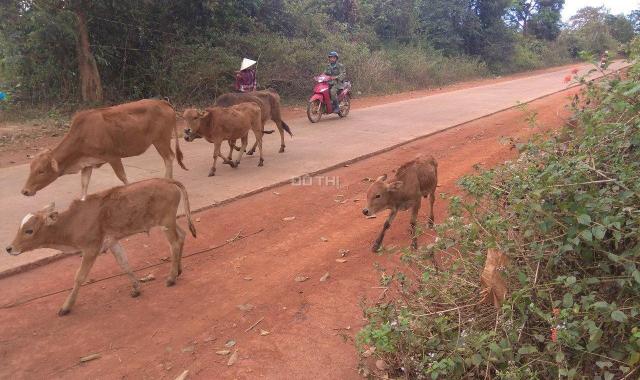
(313, 148)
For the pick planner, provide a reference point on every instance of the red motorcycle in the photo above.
(320, 101)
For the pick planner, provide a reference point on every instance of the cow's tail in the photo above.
(187, 208)
(179, 155)
(286, 128)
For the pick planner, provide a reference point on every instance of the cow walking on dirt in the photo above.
(413, 181)
(101, 220)
(270, 106)
(106, 135)
(218, 124)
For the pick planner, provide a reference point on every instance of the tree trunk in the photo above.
(90, 86)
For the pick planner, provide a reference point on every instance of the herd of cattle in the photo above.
(97, 222)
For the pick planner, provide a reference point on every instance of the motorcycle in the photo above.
(320, 102)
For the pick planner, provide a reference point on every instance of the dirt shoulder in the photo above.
(305, 329)
(20, 141)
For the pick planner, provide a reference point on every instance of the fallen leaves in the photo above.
(223, 352)
(233, 358)
(183, 375)
(264, 332)
(324, 239)
(147, 278)
(324, 277)
(301, 278)
(245, 307)
(368, 352)
(89, 358)
(230, 343)
(341, 261)
(343, 252)
(289, 218)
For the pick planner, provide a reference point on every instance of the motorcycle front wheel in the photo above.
(314, 111)
(345, 106)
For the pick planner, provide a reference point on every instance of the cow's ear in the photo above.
(51, 207)
(54, 165)
(382, 178)
(51, 218)
(395, 186)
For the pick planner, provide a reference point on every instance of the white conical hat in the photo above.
(246, 63)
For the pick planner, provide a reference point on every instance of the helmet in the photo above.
(333, 54)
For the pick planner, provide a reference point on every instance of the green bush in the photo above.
(567, 215)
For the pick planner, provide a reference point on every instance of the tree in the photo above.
(634, 18)
(620, 28)
(90, 84)
(538, 17)
(591, 30)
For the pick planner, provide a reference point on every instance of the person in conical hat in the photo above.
(246, 77)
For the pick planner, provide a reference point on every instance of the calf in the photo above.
(101, 220)
(106, 135)
(218, 124)
(413, 180)
(269, 102)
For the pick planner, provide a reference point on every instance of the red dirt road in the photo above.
(168, 330)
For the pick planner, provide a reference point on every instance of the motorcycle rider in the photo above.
(338, 72)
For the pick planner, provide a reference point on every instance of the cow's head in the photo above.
(196, 120)
(44, 170)
(380, 194)
(33, 230)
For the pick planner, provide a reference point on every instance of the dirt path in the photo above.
(20, 141)
(310, 324)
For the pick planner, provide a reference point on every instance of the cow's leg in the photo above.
(118, 168)
(216, 153)
(85, 177)
(164, 149)
(253, 149)
(387, 224)
(232, 146)
(414, 219)
(88, 258)
(432, 199)
(175, 235)
(281, 131)
(121, 257)
(243, 148)
(259, 135)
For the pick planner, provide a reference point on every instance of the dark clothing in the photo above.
(338, 71)
(246, 80)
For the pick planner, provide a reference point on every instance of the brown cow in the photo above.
(270, 110)
(413, 180)
(218, 124)
(106, 135)
(101, 220)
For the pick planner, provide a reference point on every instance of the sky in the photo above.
(615, 6)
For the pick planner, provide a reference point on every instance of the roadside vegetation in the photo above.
(560, 224)
(59, 53)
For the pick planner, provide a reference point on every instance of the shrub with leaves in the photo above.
(566, 213)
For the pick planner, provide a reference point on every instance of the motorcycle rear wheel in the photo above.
(314, 111)
(345, 106)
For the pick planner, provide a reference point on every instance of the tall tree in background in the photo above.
(540, 18)
(634, 18)
(620, 27)
(90, 84)
(590, 27)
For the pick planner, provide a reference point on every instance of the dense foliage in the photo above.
(567, 215)
(189, 50)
